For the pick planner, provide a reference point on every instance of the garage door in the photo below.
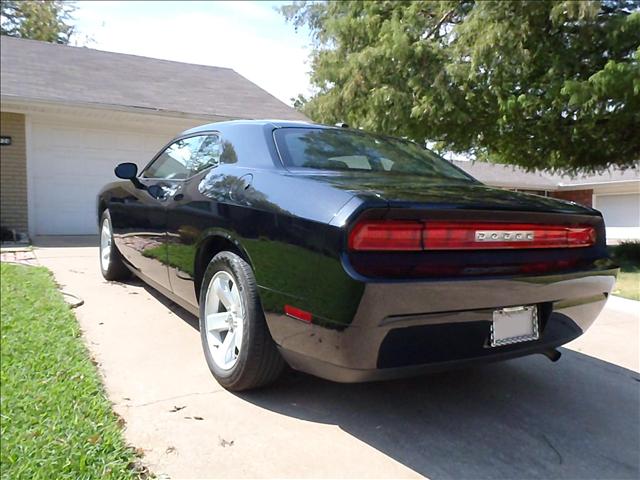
(620, 210)
(70, 164)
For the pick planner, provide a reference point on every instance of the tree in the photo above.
(552, 85)
(299, 102)
(46, 20)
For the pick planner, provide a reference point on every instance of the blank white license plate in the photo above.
(514, 325)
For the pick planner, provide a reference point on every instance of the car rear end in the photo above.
(452, 273)
(437, 294)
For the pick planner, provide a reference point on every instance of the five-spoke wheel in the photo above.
(111, 264)
(237, 344)
(224, 320)
(105, 244)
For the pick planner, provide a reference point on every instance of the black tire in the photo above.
(116, 269)
(258, 362)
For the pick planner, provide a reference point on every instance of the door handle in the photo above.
(178, 197)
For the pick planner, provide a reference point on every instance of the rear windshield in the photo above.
(335, 149)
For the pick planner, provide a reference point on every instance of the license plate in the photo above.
(514, 325)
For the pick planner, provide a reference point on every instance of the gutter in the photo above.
(574, 186)
(116, 107)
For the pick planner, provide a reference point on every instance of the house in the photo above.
(69, 115)
(616, 193)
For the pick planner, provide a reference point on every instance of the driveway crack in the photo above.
(176, 397)
(548, 442)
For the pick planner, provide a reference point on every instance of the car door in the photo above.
(145, 244)
(195, 210)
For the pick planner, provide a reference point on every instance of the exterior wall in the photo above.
(71, 161)
(70, 155)
(13, 173)
(583, 197)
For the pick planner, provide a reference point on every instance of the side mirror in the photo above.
(129, 171)
(126, 171)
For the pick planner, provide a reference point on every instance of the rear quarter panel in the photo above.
(282, 223)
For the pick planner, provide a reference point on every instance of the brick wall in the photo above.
(13, 173)
(583, 197)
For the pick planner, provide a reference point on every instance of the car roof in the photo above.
(220, 126)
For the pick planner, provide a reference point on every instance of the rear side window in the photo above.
(336, 149)
(208, 155)
(213, 151)
(188, 156)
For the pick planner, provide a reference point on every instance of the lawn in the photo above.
(55, 420)
(174, 254)
(628, 284)
(627, 256)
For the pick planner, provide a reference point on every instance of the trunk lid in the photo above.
(426, 193)
(426, 200)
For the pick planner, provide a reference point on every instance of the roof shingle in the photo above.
(57, 73)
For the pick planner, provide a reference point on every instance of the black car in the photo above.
(349, 255)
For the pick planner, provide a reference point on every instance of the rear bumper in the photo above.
(408, 328)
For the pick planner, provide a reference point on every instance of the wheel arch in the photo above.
(101, 207)
(209, 247)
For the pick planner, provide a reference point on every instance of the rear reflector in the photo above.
(297, 313)
(393, 235)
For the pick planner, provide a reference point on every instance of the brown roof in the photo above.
(506, 175)
(515, 177)
(43, 71)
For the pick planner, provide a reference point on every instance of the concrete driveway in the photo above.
(527, 418)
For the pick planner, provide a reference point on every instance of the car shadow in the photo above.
(176, 309)
(525, 418)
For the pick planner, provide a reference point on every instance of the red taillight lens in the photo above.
(386, 235)
(581, 237)
(484, 236)
(412, 236)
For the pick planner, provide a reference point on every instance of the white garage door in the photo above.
(620, 210)
(69, 164)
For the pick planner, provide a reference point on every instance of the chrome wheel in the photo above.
(224, 320)
(105, 244)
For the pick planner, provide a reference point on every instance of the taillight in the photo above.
(438, 235)
(474, 235)
(386, 235)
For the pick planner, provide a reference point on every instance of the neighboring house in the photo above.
(615, 193)
(69, 115)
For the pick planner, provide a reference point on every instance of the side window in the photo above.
(174, 163)
(209, 154)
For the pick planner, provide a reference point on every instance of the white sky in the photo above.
(250, 37)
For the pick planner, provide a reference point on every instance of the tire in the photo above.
(229, 299)
(111, 264)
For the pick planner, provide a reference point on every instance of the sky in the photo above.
(250, 37)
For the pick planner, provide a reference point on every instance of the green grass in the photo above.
(55, 420)
(627, 256)
(268, 256)
(628, 284)
(174, 254)
(278, 265)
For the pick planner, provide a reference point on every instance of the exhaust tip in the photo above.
(552, 354)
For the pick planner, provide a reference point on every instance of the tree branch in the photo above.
(444, 18)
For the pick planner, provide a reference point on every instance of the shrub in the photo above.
(627, 254)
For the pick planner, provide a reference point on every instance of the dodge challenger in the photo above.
(348, 255)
